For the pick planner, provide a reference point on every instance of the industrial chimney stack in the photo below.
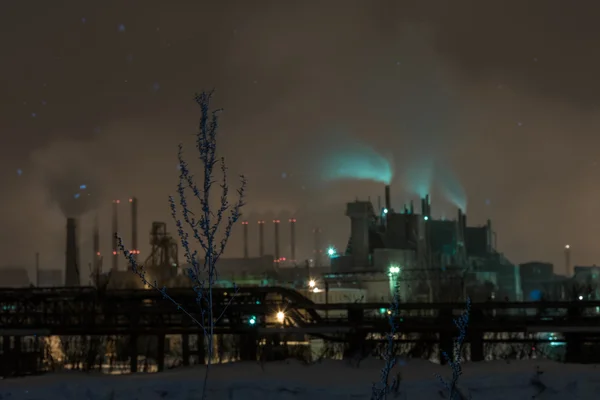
(115, 229)
(276, 231)
(293, 240)
(261, 238)
(568, 261)
(245, 225)
(134, 228)
(72, 262)
(96, 245)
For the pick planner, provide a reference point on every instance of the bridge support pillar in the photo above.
(476, 337)
(185, 349)
(201, 351)
(160, 352)
(133, 354)
(446, 336)
(574, 351)
(6, 344)
(249, 346)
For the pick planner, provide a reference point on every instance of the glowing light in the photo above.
(280, 317)
(567, 246)
(382, 310)
(252, 320)
(580, 297)
(316, 290)
(82, 187)
(76, 195)
(394, 269)
(385, 210)
(312, 283)
(426, 218)
(114, 253)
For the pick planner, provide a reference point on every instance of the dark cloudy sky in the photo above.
(492, 103)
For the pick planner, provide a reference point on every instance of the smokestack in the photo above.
(245, 225)
(318, 250)
(115, 229)
(96, 249)
(568, 260)
(72, 264)
(134, 228)
(276, 231)
(293, 239)
(261, 238)
(388, 199)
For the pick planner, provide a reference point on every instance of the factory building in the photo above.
(424, 258)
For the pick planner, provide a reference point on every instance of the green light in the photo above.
(426, 218)
(331, 251)
(252, 320)
(385, 210)
(382, 310)
(394, 270)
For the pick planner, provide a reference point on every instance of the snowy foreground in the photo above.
(328, 380)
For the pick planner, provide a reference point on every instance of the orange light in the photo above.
(131, 200)
(114, 253)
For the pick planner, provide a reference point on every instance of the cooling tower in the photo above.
(360, 212)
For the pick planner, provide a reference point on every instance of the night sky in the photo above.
(488, 104)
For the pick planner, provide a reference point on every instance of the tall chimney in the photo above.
(318, 249)
(293, 240)
(568, 261)
(72, 265)
(388, 198)
(276, 231)
(134, 228)
(245, 225)
(96, 249)
(115, 229)
(261, 238)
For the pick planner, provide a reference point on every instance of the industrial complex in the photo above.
(402, 250)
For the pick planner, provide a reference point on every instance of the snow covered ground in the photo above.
(328, 380)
